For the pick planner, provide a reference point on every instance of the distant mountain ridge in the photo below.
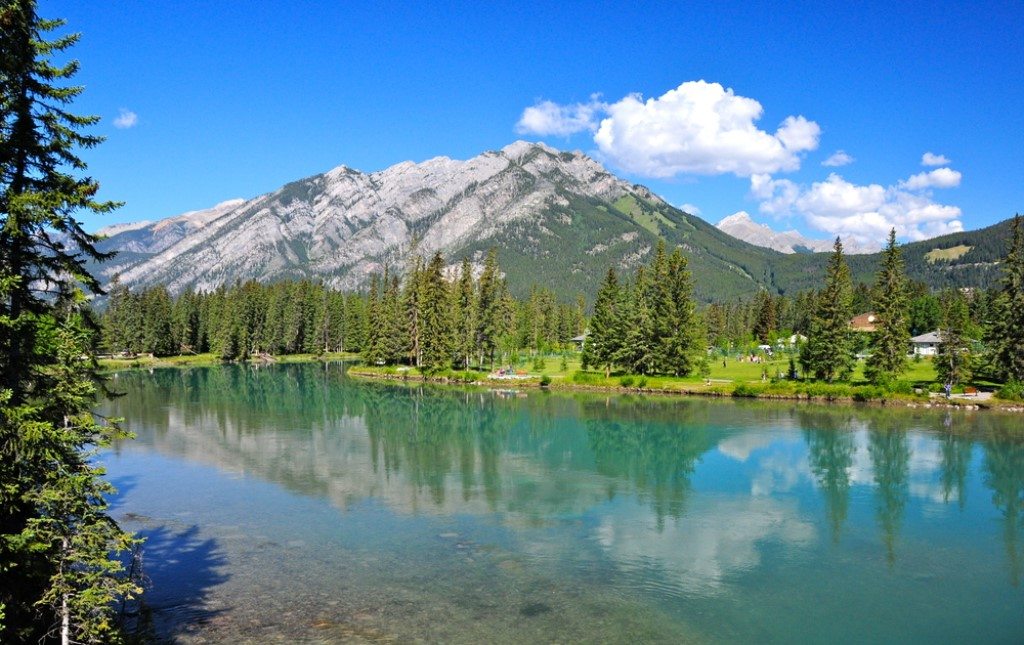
(741, 225)
(558, 219)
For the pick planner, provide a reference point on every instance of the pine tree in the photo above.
(437, 337)
(374, 353)
(828, 352)
(953, 357)
(891, 339)
(603, 342)
(56, 572)
(1006, 332)
(394, 336)
(412, 304)
(765, 324)
(490, 312)
(464, 315)
(639, 352)
(686, 335)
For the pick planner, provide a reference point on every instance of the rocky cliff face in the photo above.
(344, 225)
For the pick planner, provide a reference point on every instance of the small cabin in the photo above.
(926, 344)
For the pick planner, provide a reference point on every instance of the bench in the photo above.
(970, 391)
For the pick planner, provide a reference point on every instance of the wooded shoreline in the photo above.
(842, 393)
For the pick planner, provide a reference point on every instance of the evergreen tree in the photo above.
(157, 311)
(828, 352)
(412, 303)
(891, 339)
(490, 310)
(604, 342)
(1006, 333)
(640, 351)
(953, 357)
(437, 337)
(374, 353)
(395, 338)
(56, 572)
(465, 315)
(686, 336)
(765, 323)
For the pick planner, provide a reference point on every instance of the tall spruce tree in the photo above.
(891, 339)
(686, 335)
(436, 337)
(828, 352)
(640, 350)
(56, 572)
(604, 341)
(465, 315)
(1006, 330)
(953, 357)
(490, 310)
(766, 322)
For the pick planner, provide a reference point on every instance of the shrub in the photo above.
(869, 393)
(539, 363)
(746, 389)
(587, 378)
(545, 380)
(641, 382)
(902, 387)
(626, 381)
(1012, 391)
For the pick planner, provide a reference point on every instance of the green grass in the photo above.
(951, 253)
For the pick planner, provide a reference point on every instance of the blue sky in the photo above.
(721, 106)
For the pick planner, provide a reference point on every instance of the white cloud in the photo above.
(692, 209)
(932, 159)
(698, 128)
(838, 158)
(126, 119)
(863, 213)
(938, 178)
(549, 118)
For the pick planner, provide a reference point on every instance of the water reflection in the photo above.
(1004, 474)
(676, 498)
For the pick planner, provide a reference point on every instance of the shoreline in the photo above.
(720, 390)
(716, 389)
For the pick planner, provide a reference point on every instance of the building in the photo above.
(580, 340)
(926, 344)
(864, 322)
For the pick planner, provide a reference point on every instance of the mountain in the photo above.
(558, 219)
(740, 225)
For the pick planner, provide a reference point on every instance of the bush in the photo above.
(869, 393)
(626, 381)
(746, 389)
(1012, 391)
(587, 378)
(641, 382)
(545, 380)
(902, 387)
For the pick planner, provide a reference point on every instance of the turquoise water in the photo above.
(289, 503)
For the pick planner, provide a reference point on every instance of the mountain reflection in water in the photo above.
(662, 498)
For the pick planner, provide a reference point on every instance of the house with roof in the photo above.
(864, 322)
(927, 344)
(580, 340)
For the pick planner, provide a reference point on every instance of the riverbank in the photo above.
(771, 389)
(732, 379)
(209, 359)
